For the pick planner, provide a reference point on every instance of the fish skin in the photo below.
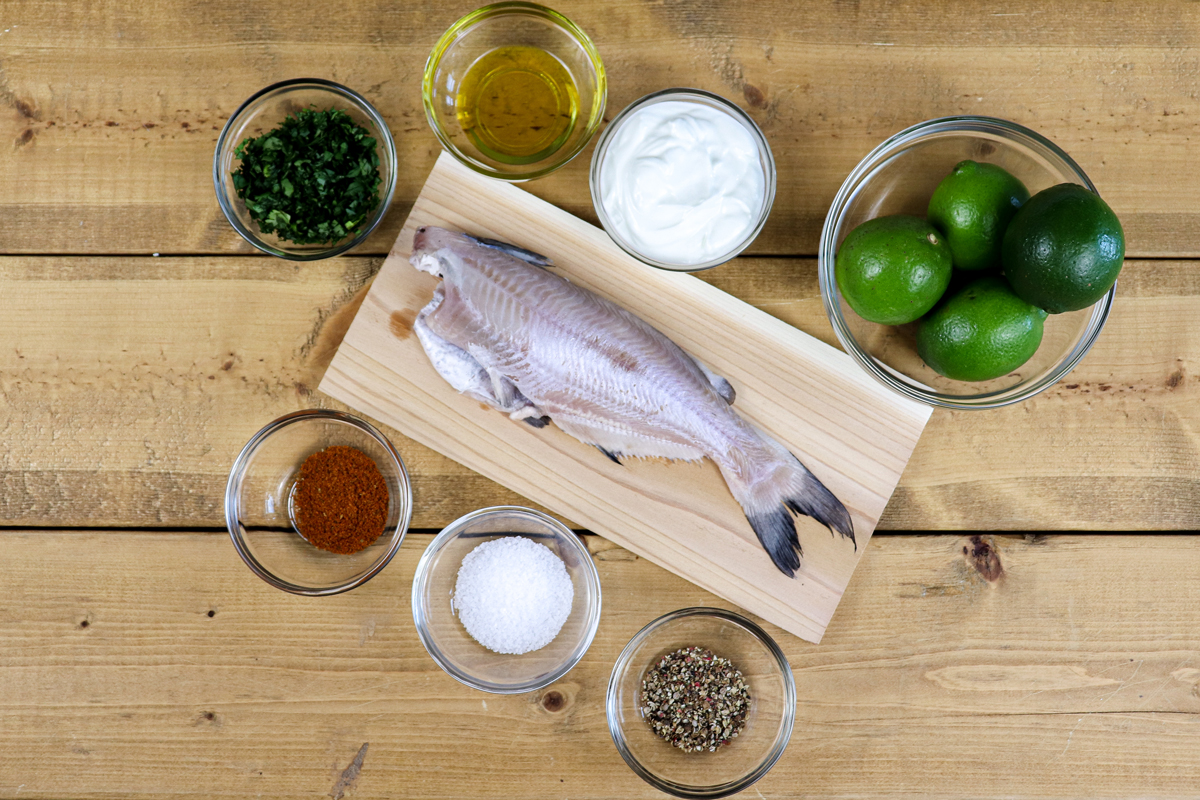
(504, 329)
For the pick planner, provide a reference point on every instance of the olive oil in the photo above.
(517, 104)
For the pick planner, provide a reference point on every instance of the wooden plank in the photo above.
(112, 133)
(111, 418)
(852, 433)
(130, 384)
(1048, 667)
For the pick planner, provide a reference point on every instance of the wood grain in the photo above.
(156, 665)
(1047, 667)
(853, 434)
(110, 111)
(111, 417)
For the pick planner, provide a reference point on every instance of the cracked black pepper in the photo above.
(695, 699)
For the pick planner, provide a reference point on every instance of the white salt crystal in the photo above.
(513, 595)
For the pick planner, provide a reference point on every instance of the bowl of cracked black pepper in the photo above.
(317, 502)
(701, 703)
(305, 169)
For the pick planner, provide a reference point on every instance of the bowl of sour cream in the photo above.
(683, 180)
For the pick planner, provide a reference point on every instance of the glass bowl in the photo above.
(265, 111)
(447, 640)
(701, 97)
(503, 25)
(898, 177)
(734, 766)
(258, 508)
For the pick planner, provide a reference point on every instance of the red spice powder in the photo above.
(340, 500)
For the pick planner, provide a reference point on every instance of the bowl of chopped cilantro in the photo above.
(305, 169)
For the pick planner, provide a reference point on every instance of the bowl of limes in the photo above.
(968, 262)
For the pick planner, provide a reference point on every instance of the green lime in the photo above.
(982, 332)
(891, 270)
(1063, 249)
(972, 206)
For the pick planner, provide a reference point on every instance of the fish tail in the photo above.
(773, 486)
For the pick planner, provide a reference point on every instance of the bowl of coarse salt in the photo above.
(506, 600)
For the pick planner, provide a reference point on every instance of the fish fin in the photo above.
(529, 256)
(611, 455)
(776, 531)
(503, 389)
(508, 397)
(723, 387)
(526, 411)
(769, 486)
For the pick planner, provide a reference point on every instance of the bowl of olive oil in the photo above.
(514, 90)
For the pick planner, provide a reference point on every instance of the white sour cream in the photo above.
(682, 182)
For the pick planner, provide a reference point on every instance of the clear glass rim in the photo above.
(233, 503)
(683, 93)
(514, 8)
(226, 202)
(612, 709)
(828, 250)
(421, 581)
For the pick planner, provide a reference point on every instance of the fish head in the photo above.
(436, 250)
(432, 247)
(429, 238)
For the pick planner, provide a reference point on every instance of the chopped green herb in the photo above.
(314, 179)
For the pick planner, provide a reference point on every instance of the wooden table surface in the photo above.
(1025, 623)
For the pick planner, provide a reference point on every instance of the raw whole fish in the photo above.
(505, 330)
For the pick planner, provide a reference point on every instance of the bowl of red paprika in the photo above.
(318, 502)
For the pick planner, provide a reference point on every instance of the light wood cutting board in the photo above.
(852, 433)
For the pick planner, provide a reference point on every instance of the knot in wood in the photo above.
(553, 701)
(984, 557)
(754, 96)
